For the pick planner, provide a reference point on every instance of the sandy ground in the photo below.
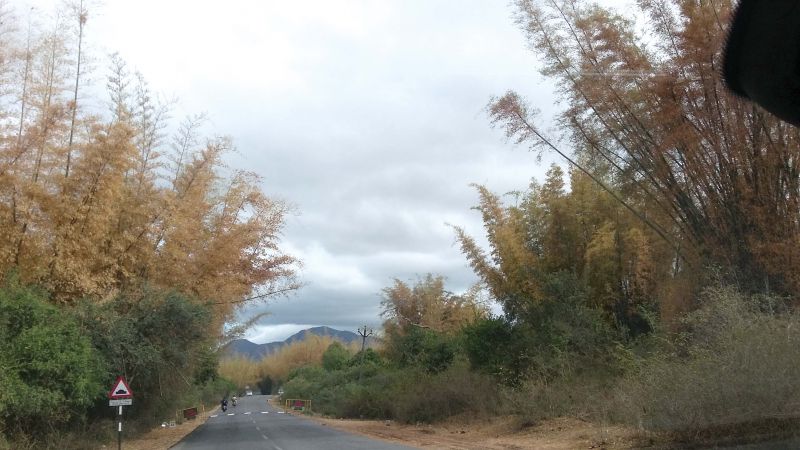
(164, 438)
(502, 433)
(497, 434)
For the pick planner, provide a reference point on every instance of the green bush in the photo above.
(49, 372)
(558, 336)
(433, 397)
(368, 357)
(409, 394)
(370, 400)
(335, 357)
(210, 393)
(159, 341)
(422, 347)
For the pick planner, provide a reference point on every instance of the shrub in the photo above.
(432, 397)
(736, 360)
(368, 357)
(211, 392)
(335, 357)
(418, 346)
(49, 372)
(585, 397)
(558, 336)
(159, 340)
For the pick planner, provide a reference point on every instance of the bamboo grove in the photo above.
(98, 199)
(648, 118)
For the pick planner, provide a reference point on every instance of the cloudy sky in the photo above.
(367, 115)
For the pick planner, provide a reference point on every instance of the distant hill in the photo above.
(254, 351)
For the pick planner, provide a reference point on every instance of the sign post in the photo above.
(119, 396)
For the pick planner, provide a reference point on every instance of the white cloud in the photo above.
(366, 114)
(262, 334)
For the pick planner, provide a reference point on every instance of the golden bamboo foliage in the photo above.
(427, 304)
(93, 204)
(649, 118)
(583, 231)
(507, 270)
(307, 352)
(240, 370)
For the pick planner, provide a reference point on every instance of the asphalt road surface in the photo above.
(255, 424)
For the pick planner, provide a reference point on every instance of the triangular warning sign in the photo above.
(120, 390)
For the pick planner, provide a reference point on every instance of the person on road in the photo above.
(224, 404)
(233, 401)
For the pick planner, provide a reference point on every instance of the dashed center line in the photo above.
(246, 413)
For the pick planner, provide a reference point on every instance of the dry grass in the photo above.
(501, 433)
(738, 363)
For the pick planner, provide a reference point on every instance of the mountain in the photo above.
(254, 351)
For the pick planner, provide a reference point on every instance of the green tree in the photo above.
(335, 357)
(422, 347)
(649, 118)
(427, 304)
(49, 372)
(559, 336)
(158, 340)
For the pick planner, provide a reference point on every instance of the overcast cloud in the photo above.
(368, 116)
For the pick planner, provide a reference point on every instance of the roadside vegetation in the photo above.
(125, 242)
(272, 369)
(649, 282)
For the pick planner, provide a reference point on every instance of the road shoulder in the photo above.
(500, 433)
(164, 438)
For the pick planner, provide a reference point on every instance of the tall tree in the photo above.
(428, 305)
(93, 205)
(718, 178)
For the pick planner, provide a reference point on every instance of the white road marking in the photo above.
(281, 412)
(248, 412)
(231, 414)
(215, 415)
(264, 412)
(276, 447)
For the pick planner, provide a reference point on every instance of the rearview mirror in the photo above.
(762, 56)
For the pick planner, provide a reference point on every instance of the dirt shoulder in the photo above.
(164, 438)
(499, 433)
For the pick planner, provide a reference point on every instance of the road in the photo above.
(255, 424)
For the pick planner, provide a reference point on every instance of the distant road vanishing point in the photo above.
(255, 424)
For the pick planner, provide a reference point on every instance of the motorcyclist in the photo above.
(224, 404)
(233, 401)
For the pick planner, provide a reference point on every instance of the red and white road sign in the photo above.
(120, 390)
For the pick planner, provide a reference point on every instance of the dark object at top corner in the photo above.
(762, 56)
